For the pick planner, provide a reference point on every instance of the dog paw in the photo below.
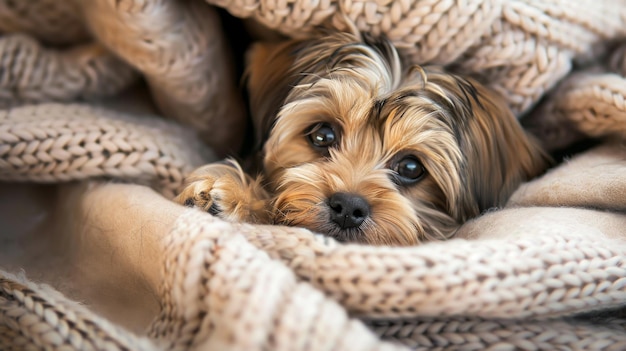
(224, 190)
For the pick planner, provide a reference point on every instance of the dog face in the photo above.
(360, 148)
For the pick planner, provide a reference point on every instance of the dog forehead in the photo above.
(403, 118)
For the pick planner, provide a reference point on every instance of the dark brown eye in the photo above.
(408, 169)
(322, 135)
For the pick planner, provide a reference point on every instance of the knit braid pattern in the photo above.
(476, 334)
(37, 317)
(52, 143)
(451, 299)
(581, 275)
(221, 292)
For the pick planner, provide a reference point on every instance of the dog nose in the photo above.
(348, 210)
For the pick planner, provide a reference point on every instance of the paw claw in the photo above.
(214, 209)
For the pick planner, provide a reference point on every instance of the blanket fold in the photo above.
(219, 287)
(31, 73)
(190, 73)
(588, 103)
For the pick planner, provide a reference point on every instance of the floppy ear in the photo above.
(270, 76)
(495, 154)
(500, 154)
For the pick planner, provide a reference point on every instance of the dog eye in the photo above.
(409, 170)
(322, 135)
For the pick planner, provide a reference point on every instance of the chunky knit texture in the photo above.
(237, 286)
(54, 143)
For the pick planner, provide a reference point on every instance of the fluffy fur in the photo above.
(409, 152)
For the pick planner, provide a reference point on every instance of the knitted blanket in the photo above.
(120, 267)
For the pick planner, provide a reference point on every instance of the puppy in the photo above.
(357, 146)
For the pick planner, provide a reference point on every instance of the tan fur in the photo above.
(474, 151)
(224, 188)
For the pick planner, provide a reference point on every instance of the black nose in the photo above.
(348, 210)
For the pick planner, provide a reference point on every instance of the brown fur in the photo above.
(472, 148)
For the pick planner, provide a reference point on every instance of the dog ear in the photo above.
(495, 154)
(270, 76)
(500, 154)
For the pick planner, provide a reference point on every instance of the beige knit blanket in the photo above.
(113, 266)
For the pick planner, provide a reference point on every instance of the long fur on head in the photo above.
(471, 146)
